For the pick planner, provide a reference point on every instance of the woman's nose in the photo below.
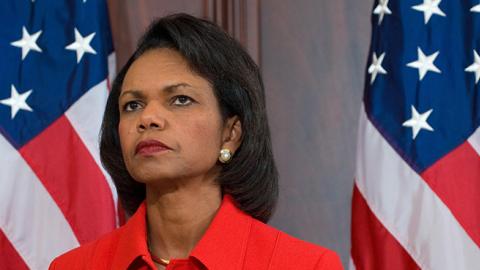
(152, 117)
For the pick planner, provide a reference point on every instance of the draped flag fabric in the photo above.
(54, 69)
(417, 185)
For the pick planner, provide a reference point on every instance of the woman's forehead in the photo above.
(161, 69)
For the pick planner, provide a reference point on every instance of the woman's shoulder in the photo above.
(290, 252)
(98, 252)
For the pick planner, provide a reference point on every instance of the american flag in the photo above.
(416, 197)
(54, 65)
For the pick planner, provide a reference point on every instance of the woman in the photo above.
(186, 140)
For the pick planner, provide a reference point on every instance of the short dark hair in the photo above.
(251, 176)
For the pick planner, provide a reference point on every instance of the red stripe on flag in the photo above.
(9, 257)
(69, 173)
(373, 245)
(456, 180)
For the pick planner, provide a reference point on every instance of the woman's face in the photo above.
(170, 122)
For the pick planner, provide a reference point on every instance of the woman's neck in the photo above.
(177, 219)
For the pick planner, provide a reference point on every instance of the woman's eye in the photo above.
(131, 106)
(182, 101)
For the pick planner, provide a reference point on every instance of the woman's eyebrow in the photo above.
(134, 93)
(168, 89)
(172, 88)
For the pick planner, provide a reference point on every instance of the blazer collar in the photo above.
(222, 246)
(132, 243)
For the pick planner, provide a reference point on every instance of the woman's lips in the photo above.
(149, 147)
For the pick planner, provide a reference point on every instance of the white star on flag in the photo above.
(475, 66)
(475, 8)
(429, 7)
(424, 63)
(82, 45)
(418, 122)
(381, 9)
(376, 67)
(17, 101)
(27, 42)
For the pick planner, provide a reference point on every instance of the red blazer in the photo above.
(234, 240)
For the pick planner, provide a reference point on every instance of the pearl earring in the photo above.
(225, 155)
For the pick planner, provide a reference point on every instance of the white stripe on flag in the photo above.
(29, 217)
(408, 208)
(351, 265)
(474, 141)
(86, 115)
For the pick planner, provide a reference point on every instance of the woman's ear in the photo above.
(232, 134)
